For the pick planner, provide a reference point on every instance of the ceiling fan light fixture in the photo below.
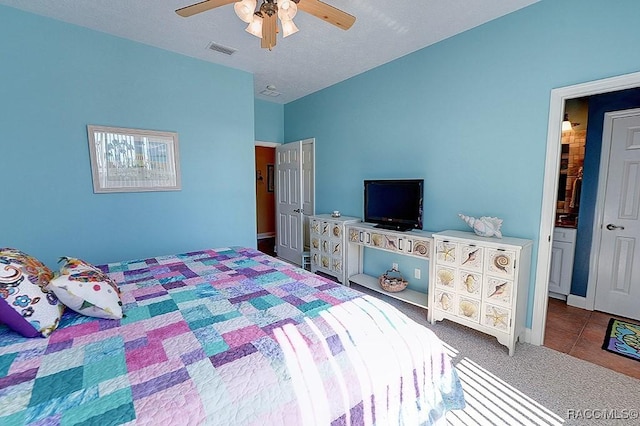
(263, 22)
(284, 4)
(255, 26)
(245, 9)
(288, 28)
(288, 12)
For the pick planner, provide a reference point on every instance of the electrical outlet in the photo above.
(394, 266)
(417, 273)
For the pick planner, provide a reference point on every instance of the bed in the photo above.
(229, 336)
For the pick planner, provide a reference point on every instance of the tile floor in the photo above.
(580, 333)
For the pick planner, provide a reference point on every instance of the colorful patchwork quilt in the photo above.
(229, 337)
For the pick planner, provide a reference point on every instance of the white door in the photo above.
(308, 187)
(618, 278)
(294, 197)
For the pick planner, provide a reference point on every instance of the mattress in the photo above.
(229, 336)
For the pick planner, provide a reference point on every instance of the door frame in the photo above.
(550, 190)
(268, 145)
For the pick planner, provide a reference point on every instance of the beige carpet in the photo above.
(537, 386)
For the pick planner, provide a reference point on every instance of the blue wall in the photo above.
(58, 78)
(468, 114)
(269, 121)
(598, 106)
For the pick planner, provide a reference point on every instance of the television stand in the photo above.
(393, 227)
(364, 236)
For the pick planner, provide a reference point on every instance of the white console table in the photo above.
(411, 243)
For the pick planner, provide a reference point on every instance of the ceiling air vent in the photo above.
(270, 90)
(222, 49)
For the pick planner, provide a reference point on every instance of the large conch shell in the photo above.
(485, 226)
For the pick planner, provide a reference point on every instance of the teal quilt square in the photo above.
(5, 363)
(14, 419)
(214, 347)
(162, 308)
(56, 385)
(196, 313)
(183, 296)
(313, 308)
(271, 278)
(97, 351)
(135, 314)
(108, 368)
(260, 303)
(114, 408)
(198, 317)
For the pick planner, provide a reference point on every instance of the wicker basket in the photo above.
(392, 284)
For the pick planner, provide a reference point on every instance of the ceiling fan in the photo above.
(263, 23)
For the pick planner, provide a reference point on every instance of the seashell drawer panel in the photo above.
(497, 290)
(446, 252)
(496, 317)
(469, 283)
(446, 300)
(327, 242)
(468, 308)
(500, 262)
(481, 282)
(471, 257)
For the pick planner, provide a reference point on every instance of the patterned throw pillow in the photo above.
(87, 290)
(26, 306)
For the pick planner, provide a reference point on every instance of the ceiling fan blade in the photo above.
(203, 6)
(269, 29)
(327, 13)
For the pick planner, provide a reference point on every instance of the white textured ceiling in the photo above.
(316, 57)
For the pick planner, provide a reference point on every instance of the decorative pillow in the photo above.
(87, 290)
(26, 306)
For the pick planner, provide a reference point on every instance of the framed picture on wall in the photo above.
(269, 177)
(133, 160)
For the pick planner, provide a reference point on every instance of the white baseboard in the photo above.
(577, 301)
(527, 335)
(558, 296)
(266, 235)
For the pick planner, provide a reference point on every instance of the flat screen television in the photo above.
(394, 204)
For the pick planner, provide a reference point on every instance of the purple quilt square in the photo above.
(232, 354)
(17, 378)
(151, 296)
(293, 300)
(59, 346)
(193, 356)
(175, 284)
(249, 296)
(335, 344)
(159, 383)
(326, 286)
(249, 272)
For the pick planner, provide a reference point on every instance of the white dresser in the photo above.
(327, 236)
(482, 283)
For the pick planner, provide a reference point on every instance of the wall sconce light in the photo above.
(566, 124)
(259, 177)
